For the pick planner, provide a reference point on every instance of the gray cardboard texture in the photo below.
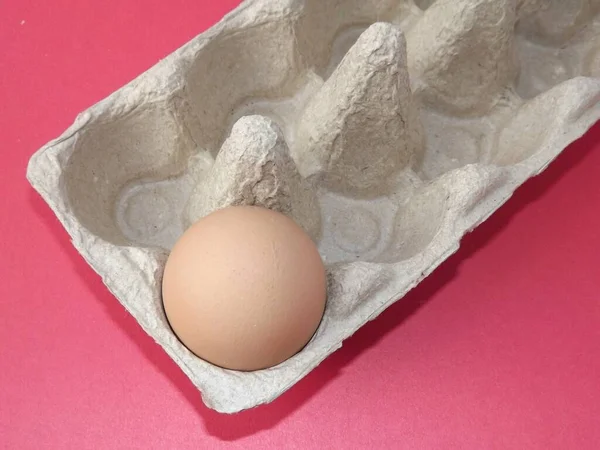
(386, 128)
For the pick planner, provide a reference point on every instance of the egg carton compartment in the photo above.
(386, 128)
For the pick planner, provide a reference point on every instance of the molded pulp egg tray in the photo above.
(386, 128)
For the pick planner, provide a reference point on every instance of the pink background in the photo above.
(499, 348)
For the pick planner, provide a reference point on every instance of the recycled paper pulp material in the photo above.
(386, 128)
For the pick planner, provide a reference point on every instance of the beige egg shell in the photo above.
(244, 288)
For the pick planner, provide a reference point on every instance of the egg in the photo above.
(244, 288)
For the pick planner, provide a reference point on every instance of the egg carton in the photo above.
(386, 128)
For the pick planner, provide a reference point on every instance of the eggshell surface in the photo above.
(244, 288)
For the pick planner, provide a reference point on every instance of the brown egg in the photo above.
(244, 288)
